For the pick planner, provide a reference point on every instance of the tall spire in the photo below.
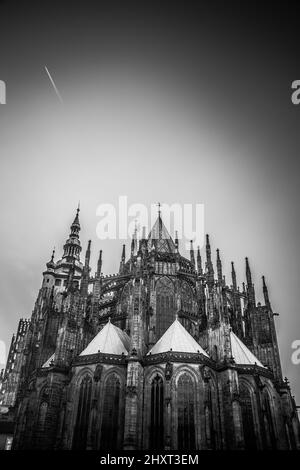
(233, 276)
(209, 265)
(199, 262)
(134, 243)
(72, 247)
(88, 254)
(86, 271)
(122, 263)
(99, 264)
(192, 255)
(219, 268)
(250, 286)
(248, 273)
(159, 221)
(208, 250)
(266, 293)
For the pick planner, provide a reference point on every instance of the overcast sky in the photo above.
(185, 105)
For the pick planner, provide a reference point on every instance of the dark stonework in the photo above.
(59, 399)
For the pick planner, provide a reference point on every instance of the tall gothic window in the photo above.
(269, 434)
(247, 417)
(111, 413)
(186, 297)
(83, 414)
(42, 415)
(165, 307)
(186, 413)
(157, 414)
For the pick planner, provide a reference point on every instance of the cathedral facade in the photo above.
(162, 355)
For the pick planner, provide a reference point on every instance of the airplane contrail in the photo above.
(53, 84)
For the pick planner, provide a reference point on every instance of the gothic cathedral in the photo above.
(162, 355)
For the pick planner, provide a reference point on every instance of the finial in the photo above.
(176, 240)
(159, 206)
(53, 253)
(248, 273)
(266, 293)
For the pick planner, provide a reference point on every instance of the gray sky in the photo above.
(179, 106)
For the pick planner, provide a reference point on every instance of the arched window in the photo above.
(269, 434)
(157, 414)
(42, 415)
(186, 413)
(247, 417)
(111, 413)
(165, 306)
(186, 297)
(83, 414)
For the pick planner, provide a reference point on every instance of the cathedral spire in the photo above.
(134, 241)
(192, 255)
(209, 265)
(266, 293)
(99, 264)
(88, 254)
(122, 263)
(248, 273)
(72, 247)
(199, 262)
(219, 268)
(86, 271)
(250, 286)
(233, 276)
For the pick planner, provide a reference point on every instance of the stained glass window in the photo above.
(247, 417)
(165, 305)
(111, 413)
(157, 414)
(83, 414)
(186, 413)
(269, 435)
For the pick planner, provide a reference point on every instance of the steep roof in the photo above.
(110, 340)
(240, 352)
(177, 339)
(160, 238)
(48, 362)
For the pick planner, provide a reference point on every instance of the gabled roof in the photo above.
(177, 339)
(241, 354)
(160, 238)
(48, 362)
(110, 340)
